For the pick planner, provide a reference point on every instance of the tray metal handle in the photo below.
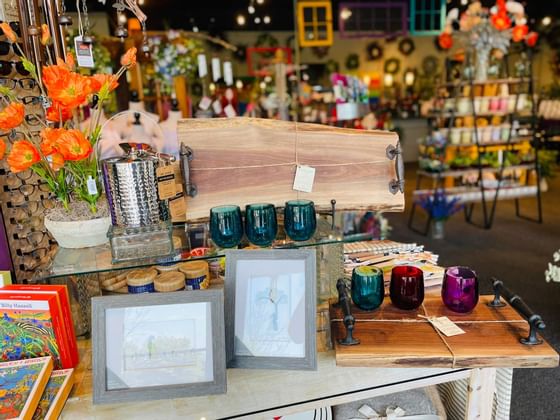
(395, 153)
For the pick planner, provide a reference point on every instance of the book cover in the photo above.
(21, 384)
(55, 395)
(64, 303)
(31, 326)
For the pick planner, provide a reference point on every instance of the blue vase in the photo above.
(226, 226)
(261, 225)
(300, 220)
(368, 288)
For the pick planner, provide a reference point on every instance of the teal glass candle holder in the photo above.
(300, 220)
(226, 226)
(368, 288)
(261, 225)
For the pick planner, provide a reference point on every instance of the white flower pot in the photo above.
(79, 234)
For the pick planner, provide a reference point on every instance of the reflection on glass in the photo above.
(226, 226)
(407, 287)
(300, 220)
(460, 289)
(159, 345)
(368, 288)
(261, 225)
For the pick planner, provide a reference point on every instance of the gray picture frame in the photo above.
(102, 395)
(309, 361)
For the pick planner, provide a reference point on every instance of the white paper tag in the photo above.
(446, 326)
(202, 66)
(205, 103)
(230, 111)
(91, 186)
(368, 412)
(216, 69)
(84, 53)
(303, 181)
(228, 73)
(217, 107)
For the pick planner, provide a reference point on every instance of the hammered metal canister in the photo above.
(131, 189)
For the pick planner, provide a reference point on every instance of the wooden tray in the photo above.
(391, 337)
(247, 160)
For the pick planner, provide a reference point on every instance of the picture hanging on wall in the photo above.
(374, 51)
(352, 61)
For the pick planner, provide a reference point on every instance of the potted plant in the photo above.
(63, 155)
(440, 208)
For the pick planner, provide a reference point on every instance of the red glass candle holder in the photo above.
(407, 287)
(460, 289)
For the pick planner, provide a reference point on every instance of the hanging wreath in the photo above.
(196, 89)
(406, 46)
(392, 66)
(430, 64)
(332, 66)
(374, 51)
(241, 53)
(267, 41)
(320, 52)
(352, 61)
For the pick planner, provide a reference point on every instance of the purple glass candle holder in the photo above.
(407, 287)
(460, 289)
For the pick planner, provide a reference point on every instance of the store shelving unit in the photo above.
(474, 101)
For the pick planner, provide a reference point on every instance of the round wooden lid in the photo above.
(194, 268)
(141, 277)
(164, 268)
(169, 281)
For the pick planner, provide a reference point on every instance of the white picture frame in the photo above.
(271, 309)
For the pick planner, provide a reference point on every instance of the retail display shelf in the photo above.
(467, 171)
(474, 194)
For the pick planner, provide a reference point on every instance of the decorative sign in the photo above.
(315, 28)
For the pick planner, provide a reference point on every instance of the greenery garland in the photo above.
(406, 46)
(374, 51)
(392, 66)
(352, 61)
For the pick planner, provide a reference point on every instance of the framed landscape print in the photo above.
(158, 345)
(270, 309)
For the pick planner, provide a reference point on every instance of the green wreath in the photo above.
(374, 51)
(332, 66)
(406, 46)
(392, 66)
(430, 64)
(265, 40)
(352, 61)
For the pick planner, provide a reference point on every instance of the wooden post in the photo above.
(481, 389)
(182, 92)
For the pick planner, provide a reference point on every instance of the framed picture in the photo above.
(158, 345)
(271, 309)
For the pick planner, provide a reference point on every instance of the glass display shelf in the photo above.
(70, 262)
(471, 170)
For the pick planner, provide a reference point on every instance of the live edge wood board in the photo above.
(247, 160)
(391, 337)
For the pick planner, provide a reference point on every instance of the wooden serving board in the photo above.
(246, 160)
(390, 337)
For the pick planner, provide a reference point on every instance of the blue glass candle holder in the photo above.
(261, 225)
(300, 220)
(368, 288)
(226, 226)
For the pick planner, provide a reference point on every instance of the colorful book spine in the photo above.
(23, 383)
(64, 303)
(32, 326)
(55, 395)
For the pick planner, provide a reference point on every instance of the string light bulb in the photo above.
(251, 9)
(547, 20)
(239, 84)
(260, 1)
(241, 20)
(345, 14)
(266, 19)
(257, 20)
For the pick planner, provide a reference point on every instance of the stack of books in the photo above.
(31, 390)
(36, 321)
(388, 254)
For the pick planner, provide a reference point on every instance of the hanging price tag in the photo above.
(217, 107)
(303, 181)
(166, 182)
(205, 103)
(84, 53)
(230, 111)
(91, 186)
(446, 326)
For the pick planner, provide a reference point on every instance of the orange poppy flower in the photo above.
(98, 80)
(501, 21)
(57, 161)
(45, 34)
(445, 41)
(531, 39)
(129, 58)
(12, 116)
(53, 74)
(23, 156)
(519, 32)
(71, 91)
(10, 34)
(49, 137)
(58, 113)
(2, 148)
(73, 145)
